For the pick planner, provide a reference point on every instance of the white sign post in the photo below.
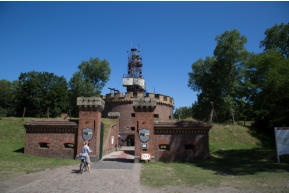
(282, 141)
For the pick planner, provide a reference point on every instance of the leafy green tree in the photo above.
(277, 37)
(41, 94)
(88, 81)
(267, 83)
(7, 97)
(183, 112)
(95, 72)
(217, 78)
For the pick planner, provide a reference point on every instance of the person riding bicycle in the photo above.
(85, 152)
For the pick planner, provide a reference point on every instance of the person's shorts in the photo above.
(87, 159)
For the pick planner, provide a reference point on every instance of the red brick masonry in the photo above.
(181, 140)
(51, 138)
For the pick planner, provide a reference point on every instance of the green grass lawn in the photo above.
(14, 162)
(237, 159)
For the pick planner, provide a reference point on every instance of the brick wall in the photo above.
(144, 120)
(51, 138)
(55, 142)
(182, 147)
(127, 121)
(181, 140)
(89, 118)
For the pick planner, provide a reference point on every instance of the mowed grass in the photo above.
(237, 160)
(13, 161)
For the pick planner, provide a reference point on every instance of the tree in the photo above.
(277, 37)
(95, 72)
(183, 112)
(7, 97)
(268, 84)
(88, 81)
(217, 78)
(42, 94)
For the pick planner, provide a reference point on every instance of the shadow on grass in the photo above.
(21, 150)
(244, 162)
(267, 142)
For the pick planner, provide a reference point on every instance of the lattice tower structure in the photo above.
(133, 80)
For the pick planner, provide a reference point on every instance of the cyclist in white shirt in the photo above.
(85, 151)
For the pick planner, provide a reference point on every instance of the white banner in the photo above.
(282, 141)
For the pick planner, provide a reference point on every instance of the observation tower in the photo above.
(123, 102)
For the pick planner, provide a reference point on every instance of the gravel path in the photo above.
(116, 173)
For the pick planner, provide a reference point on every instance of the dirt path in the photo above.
(116, 173)
(109, 175)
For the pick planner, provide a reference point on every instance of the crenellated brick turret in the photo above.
(130, 96)
(123, 103)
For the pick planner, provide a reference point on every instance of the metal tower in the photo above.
(134, 81)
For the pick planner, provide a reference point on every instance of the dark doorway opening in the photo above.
(130, 140)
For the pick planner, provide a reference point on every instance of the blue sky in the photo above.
(57, 36)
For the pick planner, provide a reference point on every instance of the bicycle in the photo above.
(83, 164)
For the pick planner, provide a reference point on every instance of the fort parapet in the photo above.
(130, 96)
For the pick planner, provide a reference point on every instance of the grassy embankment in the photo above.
(238, 159)
(14, 162)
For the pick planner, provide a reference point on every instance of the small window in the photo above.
(165, 98)
(156, 115)
(170, 117)
(134, 94)
(157, 96)
(132, 115)
(132, 128)
(189, 147)
(69, 145)
(164, 146)
(43, 145)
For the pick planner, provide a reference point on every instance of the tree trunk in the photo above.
(212, 112)
(47, 112)
(24, 111)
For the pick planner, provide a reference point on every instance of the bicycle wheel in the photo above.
(81, 167)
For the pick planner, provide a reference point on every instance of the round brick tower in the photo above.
(123, 103)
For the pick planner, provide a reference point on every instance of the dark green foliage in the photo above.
(7, 97)
(88, 81)
(242, 85)
(183, 112)
(95, 72)
(42, 94)
(267, 82)
(277, 37)
(217, 77)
